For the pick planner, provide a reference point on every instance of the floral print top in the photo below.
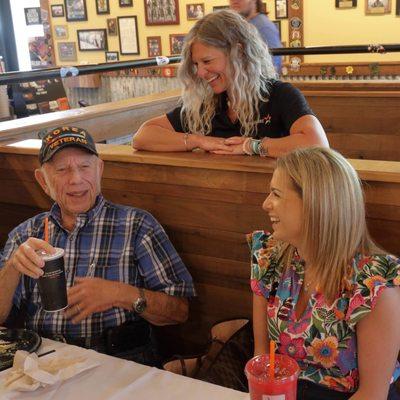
(323, 339)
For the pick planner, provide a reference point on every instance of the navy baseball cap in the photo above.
(62, 137)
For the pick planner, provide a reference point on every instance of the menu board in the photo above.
(39, 97)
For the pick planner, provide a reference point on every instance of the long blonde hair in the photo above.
(334, 227)
(249, 61)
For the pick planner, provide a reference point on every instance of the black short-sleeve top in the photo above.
(286, 104)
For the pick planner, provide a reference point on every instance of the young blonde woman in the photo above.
(231, 100)
(322, 289)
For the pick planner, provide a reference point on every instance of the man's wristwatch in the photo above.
(140, 304)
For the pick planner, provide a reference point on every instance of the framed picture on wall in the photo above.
(217, 8)
(128, 35)
(92, 39)
(112, 56)
(378, 6)
(75, 10)
(281, 9)
(66, 51)
(161, 12)
(112, 26)
(278, 26)
(57, 10)
(125, 3)
(61, 31)
(102, 7)
(194, 11)
(346, 3)
(154, 46)
(176, 43)
(33, 16)
(398, 7)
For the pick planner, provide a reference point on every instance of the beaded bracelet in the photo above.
(247, 148)
(262, 149)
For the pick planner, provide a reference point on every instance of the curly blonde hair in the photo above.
(249, 60)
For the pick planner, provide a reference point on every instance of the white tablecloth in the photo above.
(117, 379)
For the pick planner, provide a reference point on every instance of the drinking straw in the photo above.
(46, 229)
(272, 359)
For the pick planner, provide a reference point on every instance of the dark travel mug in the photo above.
(52, 284)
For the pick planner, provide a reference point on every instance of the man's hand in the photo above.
(25, 259)
(90, 295)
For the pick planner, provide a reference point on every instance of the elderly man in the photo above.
(122, 271)
(252, 11)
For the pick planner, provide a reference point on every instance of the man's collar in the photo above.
(81, 219)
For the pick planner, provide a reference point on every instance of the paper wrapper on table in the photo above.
(29, 372)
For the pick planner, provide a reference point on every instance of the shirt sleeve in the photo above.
(373, 275)
(174, 117)
(15, 239)
(265, 269)
(292, 104)
(159, 264)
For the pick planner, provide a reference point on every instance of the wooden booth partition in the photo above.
(207, 204)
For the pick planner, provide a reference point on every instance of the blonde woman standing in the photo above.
(231, 100)
(322, 289)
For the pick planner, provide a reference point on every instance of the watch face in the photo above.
(140, 305)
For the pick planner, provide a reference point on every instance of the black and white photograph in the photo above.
(61, 31)
(378, 6)
(112, 56)
(161, 12)
(32, 16)
(75, 10)
(92, 39)
(57, 10)
(102, 7)
(281, 9)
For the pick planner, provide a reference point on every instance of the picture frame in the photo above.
(154, 48)
(346, 3)
(176, 43)
(376, 7)
(398, 7)
(67, 51)
(112, 27)
(61, 31)
(102, 7)
(278, 26)
(112, 56)
(128, 35)
(57, 10)
(33, 16)
(125, 3)
(194, 11)
(281, 9)
(157, 14)
(92, 39)
(218, 8)
(75, 10)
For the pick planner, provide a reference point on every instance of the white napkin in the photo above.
(29, 372)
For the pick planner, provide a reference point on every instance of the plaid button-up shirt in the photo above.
(113, 242)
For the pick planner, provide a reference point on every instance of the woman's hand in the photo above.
(212, 144)
(235, 145)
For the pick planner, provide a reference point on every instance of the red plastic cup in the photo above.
(263, 387)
